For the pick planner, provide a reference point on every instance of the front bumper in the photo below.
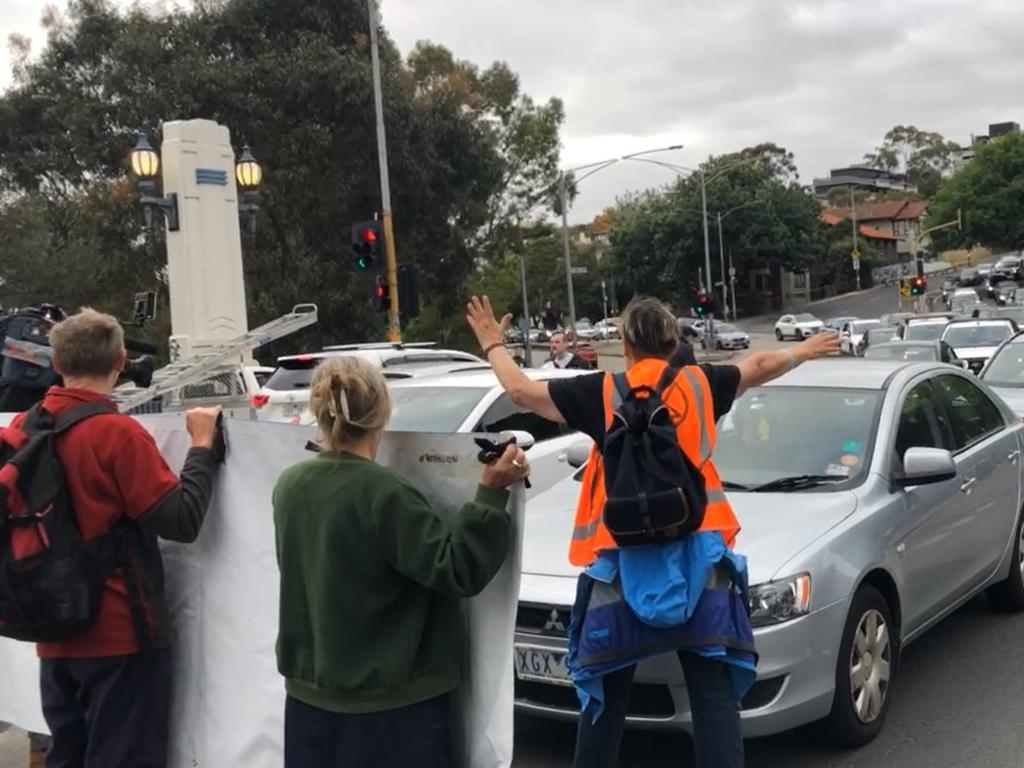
(733, 343)
(795, 679)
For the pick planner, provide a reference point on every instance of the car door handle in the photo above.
(965, 487)
(1012, 456)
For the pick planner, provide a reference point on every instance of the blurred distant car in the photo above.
(977, 340)
(948, 286)
(895, 318)
(837, 323)
(873, 336)
(585, 330)
(963, 301)
(1006, 292)
(938, 351)
(852, 333)
(969, 277)
(924, 327)
(993, 280)
(587, 352)
(607, 329)
(799, 327)
(1011, 265)
(728, 336)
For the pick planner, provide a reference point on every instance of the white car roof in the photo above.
(483, 379)
(383, 353)
(840, 374)
(991, 321)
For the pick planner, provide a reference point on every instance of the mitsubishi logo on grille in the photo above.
(554, 624)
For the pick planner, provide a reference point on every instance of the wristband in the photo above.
(491, 348)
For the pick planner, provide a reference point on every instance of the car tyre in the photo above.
(778, 335)
(1008, 594)
(855, 720)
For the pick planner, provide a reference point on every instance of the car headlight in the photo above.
(781, 600)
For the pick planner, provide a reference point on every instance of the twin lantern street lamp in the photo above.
(145, 164)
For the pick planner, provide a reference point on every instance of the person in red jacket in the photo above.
(106, 691)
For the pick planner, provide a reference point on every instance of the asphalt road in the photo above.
(958, 703)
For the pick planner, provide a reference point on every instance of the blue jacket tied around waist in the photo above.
(639, 602)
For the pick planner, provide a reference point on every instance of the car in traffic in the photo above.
(969, 277)
(914, 351)
(993, 280)
(964, 301)
(895, 318)
(924, 327)
(852, 334)
(608, 329)
(728, 336)
(1011, 265)
(799, 327)
(1004, 373)
(836, 323)
(977, 340)
(874, 336)
(948, 286)
(585, 330)
(1006, 292)
(864, 528)
(285, 395)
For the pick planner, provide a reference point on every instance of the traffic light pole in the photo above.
(391, 260)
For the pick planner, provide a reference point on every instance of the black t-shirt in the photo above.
(581, 400)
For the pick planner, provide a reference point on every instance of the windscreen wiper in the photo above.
(731, 486)
(798, 482)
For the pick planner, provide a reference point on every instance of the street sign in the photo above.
(855, 255)
(578, 270)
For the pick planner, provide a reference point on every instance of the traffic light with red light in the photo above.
(367, 243)
(381, 294)
(704, 306)
(918, 286)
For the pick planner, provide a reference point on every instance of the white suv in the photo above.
(797, 327)
(286, 394)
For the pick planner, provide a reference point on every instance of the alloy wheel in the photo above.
(871, 665)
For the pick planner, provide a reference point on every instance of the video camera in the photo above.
(27, 359)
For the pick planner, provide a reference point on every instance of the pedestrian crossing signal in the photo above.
(381, 294)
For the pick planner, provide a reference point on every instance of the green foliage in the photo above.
(768, 218)
(924, 156)
(990, 191)
(468, 152)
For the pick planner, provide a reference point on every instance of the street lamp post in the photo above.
(563, 196)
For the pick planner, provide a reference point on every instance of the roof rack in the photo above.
(380, 345)
(210, 360)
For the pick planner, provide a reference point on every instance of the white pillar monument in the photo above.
(204, 257)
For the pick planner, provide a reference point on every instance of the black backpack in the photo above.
(654, 492)
(51, 581)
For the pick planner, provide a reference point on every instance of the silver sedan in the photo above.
(874, 499)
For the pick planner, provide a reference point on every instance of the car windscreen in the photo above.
(924, 331)
(806, 318)
(1006, 368)
(976, 335)
(432, 409)
(767, 436)
(292, 375)
(902, 352)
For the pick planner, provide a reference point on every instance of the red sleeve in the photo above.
(140, 472)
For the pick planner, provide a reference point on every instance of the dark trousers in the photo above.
(717, 739)
(108, 712)
(410, 737)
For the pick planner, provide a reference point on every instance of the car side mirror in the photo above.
(922, 466)
(578, 453)
(523, 439)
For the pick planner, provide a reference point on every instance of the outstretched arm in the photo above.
(762, 367)
(523, 390)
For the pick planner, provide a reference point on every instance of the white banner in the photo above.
(223, 592)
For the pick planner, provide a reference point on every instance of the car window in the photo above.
(504, 416)
(923, 422)
(222, 385)
(262, 377)
(433, 408)
(1006, 368)
(972, 413)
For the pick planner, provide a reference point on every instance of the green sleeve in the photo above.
(458, 561)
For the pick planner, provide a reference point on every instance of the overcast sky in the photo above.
(824, 78)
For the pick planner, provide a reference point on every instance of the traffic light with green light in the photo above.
(703, 307)
(918, 286)
(367, 244)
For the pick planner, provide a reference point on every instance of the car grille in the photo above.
(547, 620)
(645, 699)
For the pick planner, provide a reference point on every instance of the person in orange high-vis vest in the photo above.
(697, 397)
(695, 428)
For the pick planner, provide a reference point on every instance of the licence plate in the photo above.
(542, 665)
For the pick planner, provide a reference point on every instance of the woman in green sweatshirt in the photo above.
(371, 641)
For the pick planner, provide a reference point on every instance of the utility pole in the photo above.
(856, 251)
(527, 356)
(732, 285)
(707, 255)
(564, 199)
(721, 258)
(391, 260)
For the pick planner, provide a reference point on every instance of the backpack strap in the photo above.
(668, 377)
(72, 416)
(620, 390)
